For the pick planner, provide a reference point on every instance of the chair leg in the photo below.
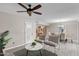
(40, 52)
(27, 53)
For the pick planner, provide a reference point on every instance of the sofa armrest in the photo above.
(51, 43)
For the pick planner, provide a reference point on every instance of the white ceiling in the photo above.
(52, 11)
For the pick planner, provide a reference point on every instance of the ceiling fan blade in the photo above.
(22, 5)
(36, 7)
(37, 13)
(21, 11)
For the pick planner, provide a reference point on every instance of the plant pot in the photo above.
(1, 52)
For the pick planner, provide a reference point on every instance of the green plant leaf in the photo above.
(4, 33)
(3, 39)
(6, 41)
(2, 45)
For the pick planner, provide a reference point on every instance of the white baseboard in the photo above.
(14, 47)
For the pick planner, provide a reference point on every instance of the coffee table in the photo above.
(37, 47)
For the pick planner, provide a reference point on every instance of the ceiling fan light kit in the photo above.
(30, 10)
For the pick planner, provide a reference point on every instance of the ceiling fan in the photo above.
(30, 10)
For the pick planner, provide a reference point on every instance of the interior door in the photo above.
(30, 31)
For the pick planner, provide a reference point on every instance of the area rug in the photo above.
(44, 52)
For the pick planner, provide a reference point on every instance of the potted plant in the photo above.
(3, 41)
(33, 44)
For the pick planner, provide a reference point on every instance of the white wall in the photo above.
(70, 29)
(78, 31)
(15, 25)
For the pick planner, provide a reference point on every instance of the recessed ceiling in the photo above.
(50, 11)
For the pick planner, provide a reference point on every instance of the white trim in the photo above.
(14, 47)
(62, 20)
